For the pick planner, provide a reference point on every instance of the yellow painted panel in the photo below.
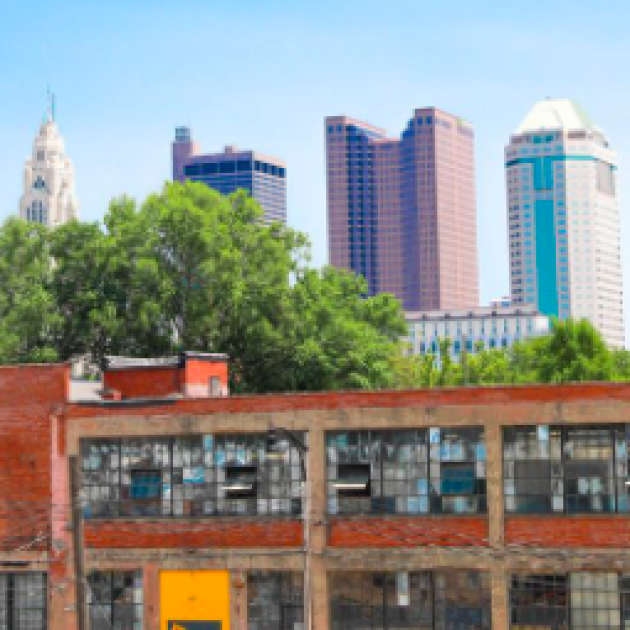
(201, 596)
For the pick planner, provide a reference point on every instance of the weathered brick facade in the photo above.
(41, 430)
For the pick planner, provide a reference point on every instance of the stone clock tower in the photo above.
(49, 194)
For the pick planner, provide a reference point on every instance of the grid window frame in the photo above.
(412, 471)
(578, 600)
(275, 599)
(116, 600)
(423, 600)
(192, 477)
(575, 469)
(24, 601)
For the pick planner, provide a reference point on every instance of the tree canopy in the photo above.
(573, 351)
(192, 269)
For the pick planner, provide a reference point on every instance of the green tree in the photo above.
(333, 337)
(574, 351)
(192, 269)
(28, 314)
(621, 364)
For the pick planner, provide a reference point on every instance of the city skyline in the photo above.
(117, 113)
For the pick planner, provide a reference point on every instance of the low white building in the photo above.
(473, 329)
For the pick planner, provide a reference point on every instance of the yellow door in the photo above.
(194, 600)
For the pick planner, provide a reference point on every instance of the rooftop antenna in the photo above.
(50, 108)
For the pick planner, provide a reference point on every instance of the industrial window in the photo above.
(115, 600)
(23, 598)
(539, 601)
(439, 600)
(202, 475)
(574, 601)
(572, 470)
(414, 471)
(275, 600)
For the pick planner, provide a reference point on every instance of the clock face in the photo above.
(39, 183)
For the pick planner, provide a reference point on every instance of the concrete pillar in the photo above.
(499, 584)
(494, 473)
(151, 583)
(317, 530)
(319, 589)
(238, 600)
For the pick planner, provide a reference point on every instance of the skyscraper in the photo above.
(401, 212)
(49, 195)
(262, 176)
(564, 219)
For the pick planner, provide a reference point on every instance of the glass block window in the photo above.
(574, 601)
(411, 471)
(115, 600)
(23, 599)
(571, 470)
(275, 600)
(595, 601)
(199, 475)
(423, 600)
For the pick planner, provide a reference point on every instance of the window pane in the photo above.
(115, 600)
(275, 600)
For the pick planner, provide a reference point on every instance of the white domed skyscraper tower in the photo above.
(563, 217)
(49, 194)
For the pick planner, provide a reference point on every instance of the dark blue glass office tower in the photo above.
(262, 176)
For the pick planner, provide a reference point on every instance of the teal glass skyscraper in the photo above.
(563, 218)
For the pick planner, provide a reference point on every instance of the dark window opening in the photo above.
(240, 481)
(353, 480)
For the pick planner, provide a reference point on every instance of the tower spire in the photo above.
(50, 105)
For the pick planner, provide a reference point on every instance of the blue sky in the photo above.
(262, 74)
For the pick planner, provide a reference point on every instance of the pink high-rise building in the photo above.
(402, 212)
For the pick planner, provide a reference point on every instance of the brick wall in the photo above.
(568, 531)
(187, 535)
(442, 531)
(144, 382)
(29, 396)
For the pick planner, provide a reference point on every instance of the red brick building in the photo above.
(499, 507)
